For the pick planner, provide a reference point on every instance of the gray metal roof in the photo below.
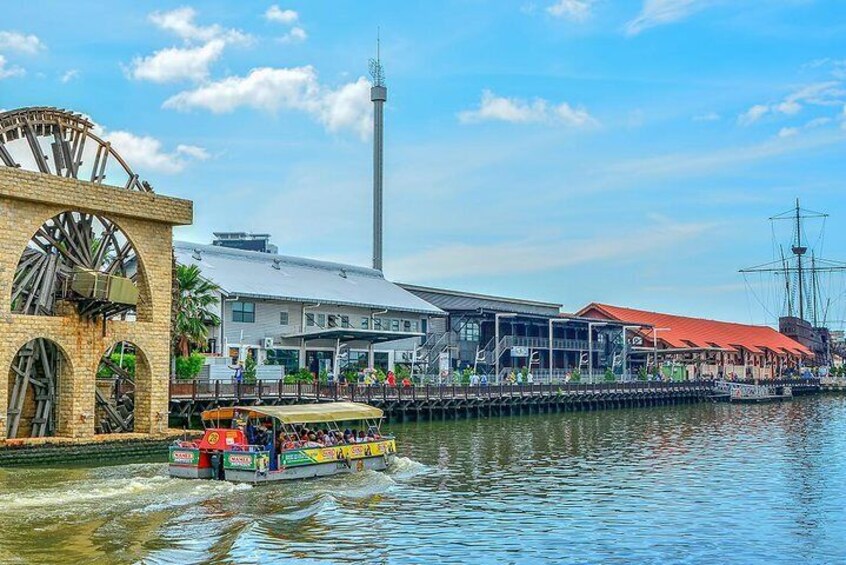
(455, 300)
(271, 276)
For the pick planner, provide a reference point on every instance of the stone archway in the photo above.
(36, 376)
(123, 378)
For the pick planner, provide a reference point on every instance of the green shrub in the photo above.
(250, 370)
(128, 364)
(609, 376)
(576, 376)
(642, 374)
(301, 376)
(188, 368)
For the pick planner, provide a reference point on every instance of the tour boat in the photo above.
(257, 444)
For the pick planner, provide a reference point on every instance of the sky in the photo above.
(620, 151)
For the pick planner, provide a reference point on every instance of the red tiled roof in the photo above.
(686, 332)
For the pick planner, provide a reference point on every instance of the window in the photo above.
(377, 323)
(406, 326)
(416, 326)
(395, 325)
(309, 319)
(469, 332)
(244, 312)
(288, 358)
(345, 321)
(333, 321)
(283, 318)
(321, 320)
(365, 323)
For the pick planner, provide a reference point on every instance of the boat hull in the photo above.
(375, 463)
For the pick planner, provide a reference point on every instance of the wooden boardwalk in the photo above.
(188, 399)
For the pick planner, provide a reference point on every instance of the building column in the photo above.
(302, 353)
(370, 356)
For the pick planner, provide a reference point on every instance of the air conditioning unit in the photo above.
(267, 342)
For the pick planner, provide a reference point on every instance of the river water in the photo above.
(695, 484)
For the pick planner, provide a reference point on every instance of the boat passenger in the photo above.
(361, 438)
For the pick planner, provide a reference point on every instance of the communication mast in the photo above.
(378, 95)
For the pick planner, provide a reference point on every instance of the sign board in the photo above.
(187, 457)
(240, 460)
(519, 351)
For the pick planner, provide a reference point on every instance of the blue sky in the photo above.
(570, 150)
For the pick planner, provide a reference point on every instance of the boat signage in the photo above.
(239, 460)
(185, 457)
(311, 456)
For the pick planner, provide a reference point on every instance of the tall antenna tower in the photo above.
(378, 95)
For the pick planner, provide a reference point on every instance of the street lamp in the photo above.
(655, 343)
(592, 325)
(496, 338)
(552, 321)
(626, 347)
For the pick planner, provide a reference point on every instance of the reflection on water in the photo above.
(700, 484)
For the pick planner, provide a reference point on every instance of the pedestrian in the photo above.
(530, 378)
(520, 377)
(239, 372)
(484, 380)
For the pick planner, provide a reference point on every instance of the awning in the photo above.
(354, 334)
(301, 413)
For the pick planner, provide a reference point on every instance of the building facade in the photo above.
(498, 335)
(297, 313)
(691, 348)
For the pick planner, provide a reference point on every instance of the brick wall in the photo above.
(29, 199)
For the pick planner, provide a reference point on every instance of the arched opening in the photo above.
(122, 367)
(34, 380)
(84, 259)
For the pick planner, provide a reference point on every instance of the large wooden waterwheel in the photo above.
(77, 257)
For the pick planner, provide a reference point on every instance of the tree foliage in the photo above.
(195, 296)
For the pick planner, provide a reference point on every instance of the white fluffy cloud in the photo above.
(176, 63)
(181, 23)
(146, 153)
(203, 46)
(660, 12)
(753, 114)
(14, 41)
(574, 10)
(276, 14)
(519, 111)
(9, 71)
(707, 117)
(296, 35)
(69, 75)
(272, 90)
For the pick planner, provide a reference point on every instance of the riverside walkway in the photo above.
(188, 399)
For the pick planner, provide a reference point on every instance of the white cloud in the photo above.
(69, 75)
(276, 14)
(574, 10)
(516, 110)
(828, 93)
(194, 151)
(271, 90)
(176, 63)
(753, 114)
(788, 132)
(660, 12)
(145, 153)
(181, 22)
(296, 35)
(14, 41)
(707, 117)
(486, 259)
(10, 71)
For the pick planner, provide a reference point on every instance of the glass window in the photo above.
(395, 325)
(377, 323)
(309, 319)
(365, 322)
(333, 321)
(321, 320)
(406, 326)
(469, 332)
(243, 312)
(345, 321)
(283, 318)
(289, 358)
(380, 360)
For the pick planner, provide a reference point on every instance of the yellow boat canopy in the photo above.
(300, 413)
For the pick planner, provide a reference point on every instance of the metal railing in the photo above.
(268, 390)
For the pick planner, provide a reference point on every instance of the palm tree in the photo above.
(194, 296)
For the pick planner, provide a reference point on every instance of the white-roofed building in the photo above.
(299, 312)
